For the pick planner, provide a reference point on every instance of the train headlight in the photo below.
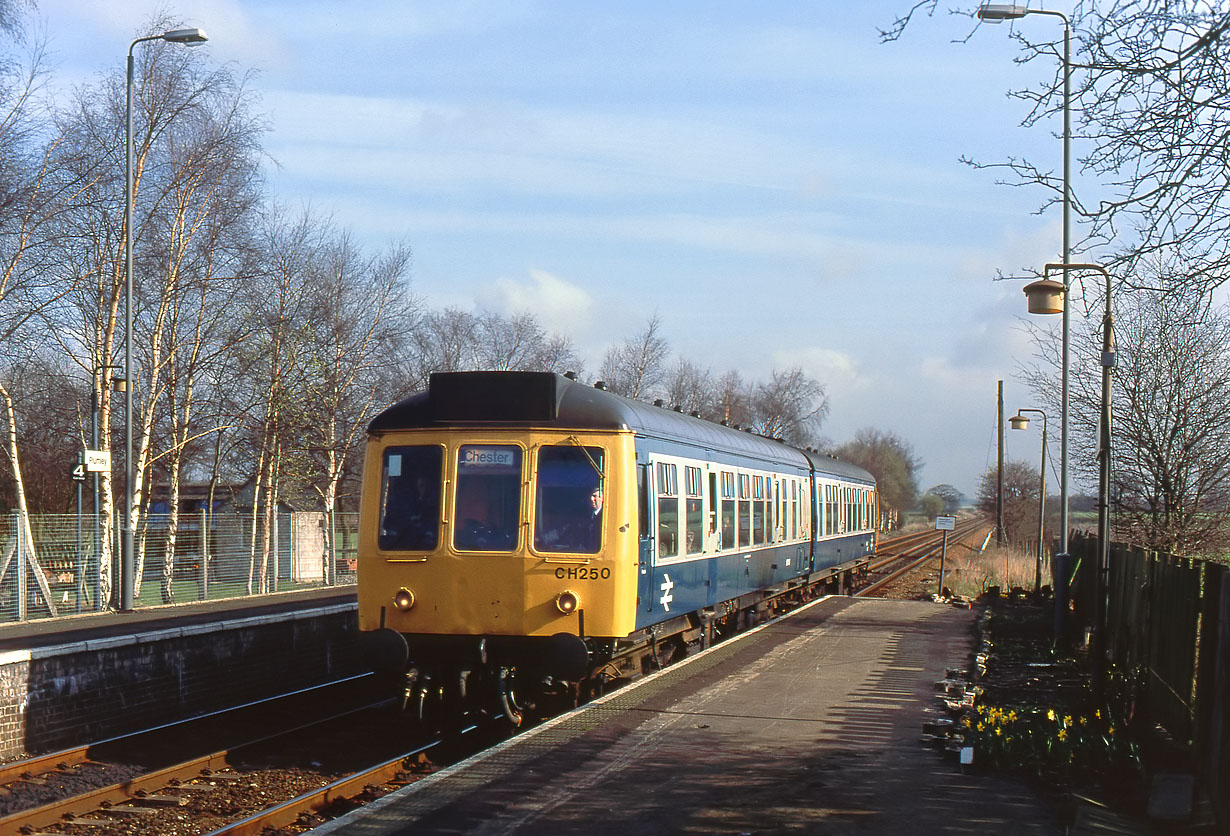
(404, 599)
(567, 602)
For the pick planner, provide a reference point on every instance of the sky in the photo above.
(777, 185)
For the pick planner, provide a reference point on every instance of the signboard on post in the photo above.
(944, 524)
(96, 461)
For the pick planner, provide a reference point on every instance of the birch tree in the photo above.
(360, 309)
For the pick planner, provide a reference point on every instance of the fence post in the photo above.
(19, 566)
(204, 553)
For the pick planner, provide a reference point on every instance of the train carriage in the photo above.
(520, 530)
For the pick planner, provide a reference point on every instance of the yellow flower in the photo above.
(980, 708)
(1110, 730)
(965, 722)
(981, 727)
(1011, 716)
(1083, 721)
(1050, 714)
(999, 731)
(1063, 734)
(1067, 721)
(1098, 714)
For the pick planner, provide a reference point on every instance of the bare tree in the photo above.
(360, 308)
(790, 406)
(1170, 441)
(733, 403)
(692, 389)
(444, 341)
(518, 342)
(1149, 102)
(634, 368)
(1021, 485)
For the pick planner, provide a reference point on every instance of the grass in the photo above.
(971, 572)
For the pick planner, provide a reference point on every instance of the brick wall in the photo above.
(59, 697)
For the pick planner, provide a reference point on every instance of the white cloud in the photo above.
(561, 307)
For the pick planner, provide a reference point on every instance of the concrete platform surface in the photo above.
(810, 724)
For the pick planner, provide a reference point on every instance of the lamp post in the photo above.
(120, 383)
(1042, 295)
(1020, 422)
(996, 13)
(128, 556)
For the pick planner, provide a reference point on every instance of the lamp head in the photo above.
(999, 12)
(1045, 296)
(191, 37)
(1018, 422)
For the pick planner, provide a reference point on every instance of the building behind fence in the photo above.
(1168, 634)
(214, 557)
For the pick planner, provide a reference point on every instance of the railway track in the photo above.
(260, 781)
(901, 556)
(119, 783)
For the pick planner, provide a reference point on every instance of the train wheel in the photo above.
(509, 701)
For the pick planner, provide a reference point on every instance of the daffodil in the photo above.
(1063, 734)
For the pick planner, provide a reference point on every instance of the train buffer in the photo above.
(808, 724)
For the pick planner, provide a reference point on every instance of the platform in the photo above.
(67, 682)
(809, 724)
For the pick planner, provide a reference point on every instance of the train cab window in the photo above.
(487, 510)
(745, 510)
(410, 505)
(668, 510)
(728, 510)
(568, 499)
(694, 511)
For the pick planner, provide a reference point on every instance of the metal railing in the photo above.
(50, 568)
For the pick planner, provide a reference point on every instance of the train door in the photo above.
(644, 504)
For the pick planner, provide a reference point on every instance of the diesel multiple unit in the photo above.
(524, 535)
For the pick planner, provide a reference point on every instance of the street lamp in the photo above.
(1108, 363)
(191, 37)
(1020, 422)
(997, 13)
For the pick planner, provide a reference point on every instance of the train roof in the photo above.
(545, 399)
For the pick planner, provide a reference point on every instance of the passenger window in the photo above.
(410, 505)
(758, 510)
(728, 510)
(745, 510)
(568, 499)
(487, 512)
(668, 510)
(694, 532)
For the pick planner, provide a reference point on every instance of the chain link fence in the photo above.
(50, 568)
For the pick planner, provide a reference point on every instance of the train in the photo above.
(525, 538)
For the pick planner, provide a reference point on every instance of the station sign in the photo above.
(96, 461)
(945, 523)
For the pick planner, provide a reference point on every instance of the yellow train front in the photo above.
(517, 528)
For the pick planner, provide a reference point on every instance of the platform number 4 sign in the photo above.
(79, 472)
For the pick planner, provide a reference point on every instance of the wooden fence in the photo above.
(1168, 630)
